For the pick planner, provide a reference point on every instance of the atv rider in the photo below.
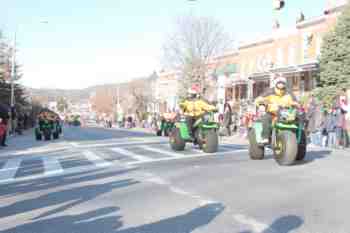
(194, 107)
(273, 99)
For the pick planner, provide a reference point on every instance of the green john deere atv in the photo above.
(205, 134)
(44, 130)
(288, 139)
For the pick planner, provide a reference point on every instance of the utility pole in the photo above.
(13, 72)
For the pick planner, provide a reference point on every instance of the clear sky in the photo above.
(88, 42)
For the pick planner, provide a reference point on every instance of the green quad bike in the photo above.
(56, 130)
(44, 130)
(205, 134)
(166, 127)
(288, 140)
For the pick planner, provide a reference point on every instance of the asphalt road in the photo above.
(120, 181)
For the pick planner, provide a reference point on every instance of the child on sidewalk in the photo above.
(2, 129)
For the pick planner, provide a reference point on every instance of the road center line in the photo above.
(187, 157)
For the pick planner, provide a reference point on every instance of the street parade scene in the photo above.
(185, 116)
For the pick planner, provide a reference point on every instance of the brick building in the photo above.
(242, 75)
(291, 52)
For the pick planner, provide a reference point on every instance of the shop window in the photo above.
(308, 83)
(229, 94)
(237, 92)
(244, 91)
(295, 83)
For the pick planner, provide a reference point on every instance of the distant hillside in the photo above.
(46, 95)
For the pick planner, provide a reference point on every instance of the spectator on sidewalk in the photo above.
(324, 133)
(3, 131)
(314, 119)
(331, 125)
(4, 122)
(227, 122)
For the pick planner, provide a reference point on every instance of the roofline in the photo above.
(227, 54)
(335, 9)
(267, 40)
(311, 22)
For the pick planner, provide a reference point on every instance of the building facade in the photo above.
(292, 53)
(242, 75)
(166, 91)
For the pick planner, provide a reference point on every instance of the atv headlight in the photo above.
(287, 115)
(206, 117)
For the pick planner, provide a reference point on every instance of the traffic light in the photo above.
(278, 4)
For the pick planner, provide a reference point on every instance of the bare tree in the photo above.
(141, 96)
(192, 46)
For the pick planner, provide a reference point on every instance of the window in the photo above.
(279, 59)
(307, 43)
(251, 67)
(242, 67)
(318, 45)
(291, 55)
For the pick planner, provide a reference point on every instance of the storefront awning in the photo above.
(265, 76)
(227, 69)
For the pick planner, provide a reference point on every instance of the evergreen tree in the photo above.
(5, 72)
(335, 60)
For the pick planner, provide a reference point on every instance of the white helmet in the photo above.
(191, 91)
(280, 80)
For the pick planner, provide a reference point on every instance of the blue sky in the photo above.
(88, 42)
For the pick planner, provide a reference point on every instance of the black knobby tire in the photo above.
(38, 137)
(198, 139)
(287, 154)
(256, 151)
(211, 142)
(175, 140)
(166, 132)
(47, 135)
(302, 147)
(55, 135)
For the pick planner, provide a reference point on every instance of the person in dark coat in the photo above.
(5, 121)
(331, 125)
(227, 121)
(314, 118)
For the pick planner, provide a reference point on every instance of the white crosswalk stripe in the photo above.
(62, 163)
(98, 161)
(51, 165)
(161, 151)
(8, 172)
(131, 154)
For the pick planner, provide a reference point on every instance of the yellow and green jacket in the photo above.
(275, 98)
(196, 107)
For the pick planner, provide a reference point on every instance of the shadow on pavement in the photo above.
(57, 181)
(314, 155)
(89, 222)
(310, 156)
(97, 221)
(69, 197)
(183, 223)
(284, 224)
